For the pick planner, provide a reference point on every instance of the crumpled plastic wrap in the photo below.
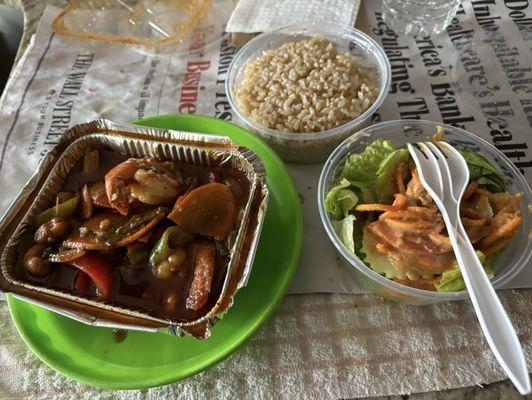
(151, 23)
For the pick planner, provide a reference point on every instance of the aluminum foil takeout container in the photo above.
(133, 141)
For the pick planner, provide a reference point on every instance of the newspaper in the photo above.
(475, 76)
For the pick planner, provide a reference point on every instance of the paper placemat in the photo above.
(315, 346)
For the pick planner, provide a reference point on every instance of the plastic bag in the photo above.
(149, 23)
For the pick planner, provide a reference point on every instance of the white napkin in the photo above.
(250, 16)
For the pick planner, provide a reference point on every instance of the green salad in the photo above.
(383, 214)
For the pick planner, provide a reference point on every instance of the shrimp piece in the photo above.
(142, 179)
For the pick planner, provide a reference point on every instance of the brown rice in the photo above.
(305, 86)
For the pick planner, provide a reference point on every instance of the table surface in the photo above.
(15, 386)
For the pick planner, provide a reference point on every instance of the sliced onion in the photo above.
(86, 202)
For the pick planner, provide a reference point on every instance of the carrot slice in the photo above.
(204, 261)
(208, 210)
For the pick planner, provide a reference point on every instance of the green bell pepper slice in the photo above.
(63, 210)
(172, 238)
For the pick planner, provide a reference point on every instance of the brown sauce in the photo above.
(119, 335)
(138, 288)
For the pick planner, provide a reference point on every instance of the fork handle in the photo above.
(491, 315)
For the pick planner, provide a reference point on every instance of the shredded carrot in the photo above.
(415, 176)
(402, 169)
(411, 233)
(410, 212)
(511, 207)
(470, 189)
(469, 213)
(374, 207)
(474, 221)
(425, 210)
(484, 192)
(440, 240)
(400, 201)
(502, 231)
(382, 248)
(430, 262)
(497, 246)
(396, 214)
(423, 225)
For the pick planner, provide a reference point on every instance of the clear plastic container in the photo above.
(419, 17)
(316, 146)
(516, 255)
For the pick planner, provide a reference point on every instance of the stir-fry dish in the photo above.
(384, 215)
(148, 234)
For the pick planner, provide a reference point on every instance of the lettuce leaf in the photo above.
(358, 178)
(344, 229)
(340, 200)
(349, 230)
(452, 280)
(361, 169)
(386, 185)
(483, 172)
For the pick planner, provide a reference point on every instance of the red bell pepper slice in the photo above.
(82, 282)
(98, 269)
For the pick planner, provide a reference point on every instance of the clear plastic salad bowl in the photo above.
(512, 260)
(315, 146)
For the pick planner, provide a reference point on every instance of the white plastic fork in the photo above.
(444, 173)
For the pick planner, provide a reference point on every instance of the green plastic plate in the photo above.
(90, 355)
